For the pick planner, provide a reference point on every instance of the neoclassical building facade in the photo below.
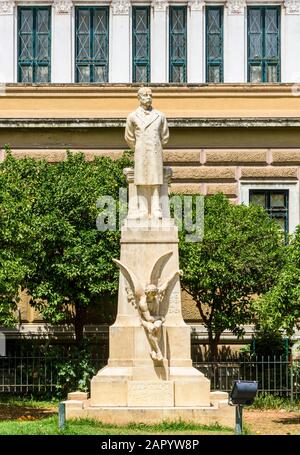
(226, 73)
(123, 41)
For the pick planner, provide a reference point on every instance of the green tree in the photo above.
(239, 258)
(17, 179)
(50, 244)
(279, 309)
(71, 260)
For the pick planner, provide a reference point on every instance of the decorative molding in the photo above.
(181, 122)
(159, 5)
(63, 6)
(236, 7)
(7, 7)
(292, 6)
(120, 7)
(196, 5)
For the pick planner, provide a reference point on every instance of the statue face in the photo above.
(146, 99)
(151, 291)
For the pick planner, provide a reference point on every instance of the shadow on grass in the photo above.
(24, 412)
(289, 420)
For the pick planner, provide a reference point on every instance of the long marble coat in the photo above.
(146, 133)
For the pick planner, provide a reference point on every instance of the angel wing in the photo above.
(158, 267)
(131, 278)
(169, 281)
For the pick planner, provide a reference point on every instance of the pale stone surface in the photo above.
(223, 415)
(235, 156)
(146, 132)
(217, 396)
(78, 395)
(276, 172)
(148, 296)
(182, 156)
(74, 404)
(203, 173)
(52, 156)
(192, 392)
(286, 156)
(185, 188)
(151, 393)
(56, 155)
(108, 392)
(228, 189)
(150, 366)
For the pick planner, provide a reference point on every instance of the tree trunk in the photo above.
(79, 321)
(213, 340)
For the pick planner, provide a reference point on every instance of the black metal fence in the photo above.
(275, 375)
(31, 374)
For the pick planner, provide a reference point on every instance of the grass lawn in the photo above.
(49, 426)
(29, 417)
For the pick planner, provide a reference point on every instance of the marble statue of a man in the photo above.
(146, 133)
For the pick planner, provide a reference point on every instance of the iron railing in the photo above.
(275, 375)
(27, 373)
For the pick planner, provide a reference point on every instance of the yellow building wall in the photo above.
(243, 132)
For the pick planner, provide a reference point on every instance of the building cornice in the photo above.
(130, 89)
(183, 122)
(236, 7)
(120, 7)
(7, 7)
(292, 6)
(63, 6)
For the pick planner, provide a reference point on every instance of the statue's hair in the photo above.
(150, 288)
(142, 90)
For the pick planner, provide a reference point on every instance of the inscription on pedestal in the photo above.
(150, 393)
(175, 300)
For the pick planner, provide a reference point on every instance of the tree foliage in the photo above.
(279, 309)
(239, 257)
(66, 262)
(17, 180)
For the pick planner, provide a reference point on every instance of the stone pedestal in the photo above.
(132, 380)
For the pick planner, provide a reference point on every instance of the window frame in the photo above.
(293, 186)
(219, 63)
(33, 63)
(182, 62)
(136, 62)
(264, 61)
(267, 193)
(93, 62)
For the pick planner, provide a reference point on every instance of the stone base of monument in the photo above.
(119, 388)
(218, 411)
(149, 377)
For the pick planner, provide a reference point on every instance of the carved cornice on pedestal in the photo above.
(120, 7)
(236, 7)
(63, 6)
(292, 6)
(6, 7)
(159, 5)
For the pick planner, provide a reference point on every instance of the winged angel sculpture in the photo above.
(148, 299)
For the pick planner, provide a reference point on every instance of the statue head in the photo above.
(145, 97)
(150, 290)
